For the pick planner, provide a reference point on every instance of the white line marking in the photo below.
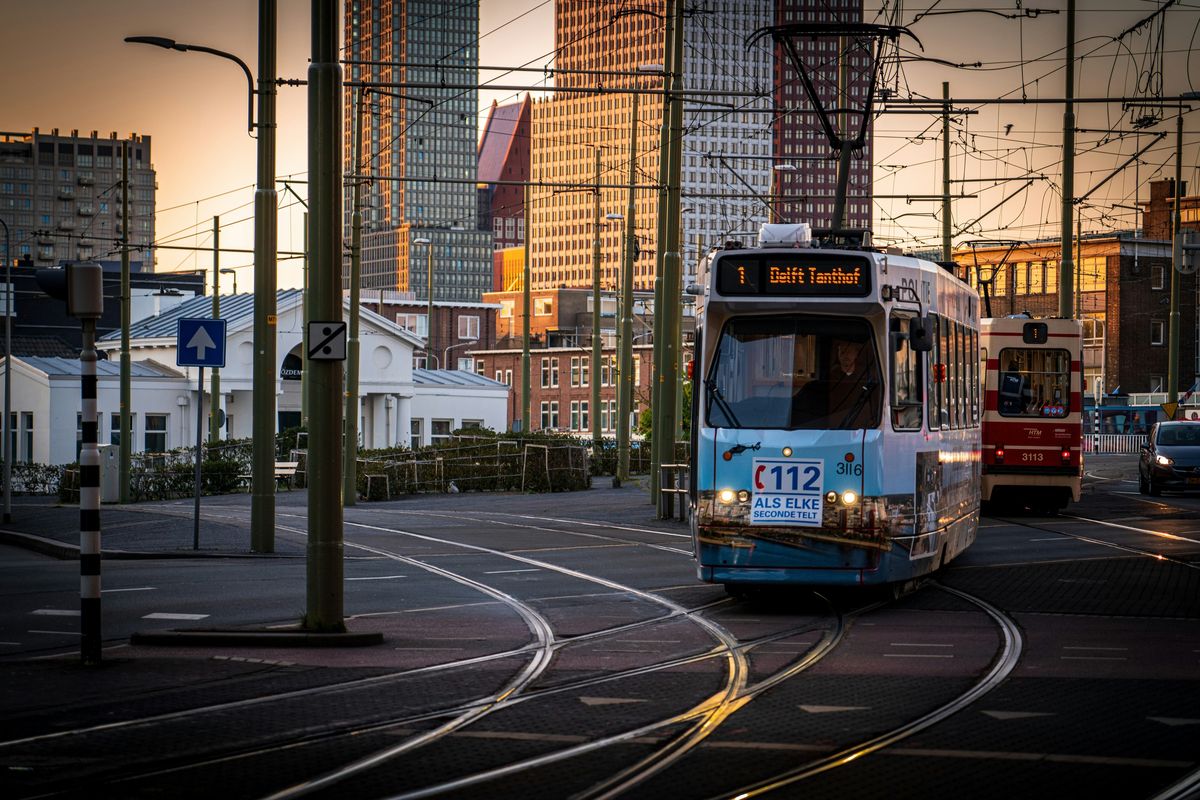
(166, 615)
(1118, 649)
(14, 644)
(1053, 539)
(917, 655)
(1092, 658)
(1007, 715)
(377, 578)
(134, 589)
(428, 649)
(510, 571)
(59, 633)
(1174, 721)
(831, 709)
(609, 701)
(917, 644)
(55, 612)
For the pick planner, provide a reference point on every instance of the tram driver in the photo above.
(846, 397)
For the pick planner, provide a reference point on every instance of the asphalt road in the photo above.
(561, 646)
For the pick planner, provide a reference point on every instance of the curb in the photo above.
(70, 552)
(280, 637)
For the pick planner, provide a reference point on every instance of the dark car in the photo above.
(1171, 459)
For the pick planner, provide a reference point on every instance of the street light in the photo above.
(262, 508)
(232, 272)
(428, 242)
(446, 352)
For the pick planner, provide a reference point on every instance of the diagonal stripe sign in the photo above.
(327, 341)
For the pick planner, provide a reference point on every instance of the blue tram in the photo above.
(836, 420)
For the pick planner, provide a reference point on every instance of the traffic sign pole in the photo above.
(199, 456)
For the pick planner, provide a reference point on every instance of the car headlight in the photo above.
(1163, 461)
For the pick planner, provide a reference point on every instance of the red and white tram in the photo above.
(1033, 412)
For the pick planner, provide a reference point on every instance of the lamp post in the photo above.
(233, 274)
(428, 242)
(446, 351)
(262, 508)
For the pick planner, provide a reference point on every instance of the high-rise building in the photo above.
(61, 196)
(839, 70)
(503, 165)
(726, 148)
(418, 156)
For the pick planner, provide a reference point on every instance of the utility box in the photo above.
(110, 473)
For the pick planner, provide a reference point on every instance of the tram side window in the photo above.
(1034, 382)
(975, 357)
(938, 408)
(906, 376)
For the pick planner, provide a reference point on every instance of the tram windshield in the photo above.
(1034, 382)
(794, 372)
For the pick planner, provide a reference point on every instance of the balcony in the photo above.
(66, 193)
(85, 180)
(66, 224)
(86, 211)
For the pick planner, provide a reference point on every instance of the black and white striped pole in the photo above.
(81, 285)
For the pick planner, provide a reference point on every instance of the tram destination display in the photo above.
(794, 275)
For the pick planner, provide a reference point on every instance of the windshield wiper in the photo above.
(715, 393)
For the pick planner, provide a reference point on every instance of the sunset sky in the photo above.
(66, 67)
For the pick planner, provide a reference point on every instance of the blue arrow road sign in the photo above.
(200, 343)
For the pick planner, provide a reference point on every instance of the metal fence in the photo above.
(1114, 443)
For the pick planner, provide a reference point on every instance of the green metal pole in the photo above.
(526, 304)
(594, 376)
(214, 392)
(947, 230)
(1176, 264)
(625, 363)
(125, 448)
(262, 501)
(664, 444)
(429, 326)
(660, 316)
(304, 335)
(350, 462)
(325, 549)
(1066, 267)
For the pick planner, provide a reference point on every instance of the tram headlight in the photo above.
(726, 496)
(787, 452)
(849, 497)
(743, 496)
(831, 497)
(1162, 460)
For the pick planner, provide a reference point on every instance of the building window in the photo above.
(468, 328)
(545, 373)
(543, 307)
(114, 435)
(1158, 276)
(156, 433)
(584, 420)
(414, 434)
(508, 377)
(439, 431)
(27, 436)
(415, 323)
(506, 308)
(577, 369)
(466, 364)
(1156, 332)
(575, 415)
(637, 370)
(472, 424)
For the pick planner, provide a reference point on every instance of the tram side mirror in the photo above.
(920, 336)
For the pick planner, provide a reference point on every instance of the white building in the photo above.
(46, 405)
(397, 406)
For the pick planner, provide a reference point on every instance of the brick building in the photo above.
(456, 326)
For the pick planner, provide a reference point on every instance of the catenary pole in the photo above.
(1066, 267)
(125, 446)
(947, 234)
(660, 316)
(262, 501)
(9, 449)
(214, 411)
(350, 459)
(526, 302)
(325, 446)
(1173, 349)
(594, 372)
(625, 363)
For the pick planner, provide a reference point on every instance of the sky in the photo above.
(66, 66)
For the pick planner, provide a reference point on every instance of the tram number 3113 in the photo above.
(1033, 456)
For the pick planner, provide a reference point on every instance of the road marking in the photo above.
(14, 644)
(831, 709)
(1053, 539)
(609, 701)
(55, 612)
(917, 644)
(649, 641)
(510, 571)
(133, 589)
(1092, 658)
(166, 615)
(918, 655)
(1117, 649)
(59, 633)
(377, 578)
(1174, 721)
(599, 525)
(1007, 715)
(428, 649)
